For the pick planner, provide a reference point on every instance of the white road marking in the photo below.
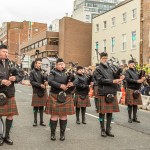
(19, 91)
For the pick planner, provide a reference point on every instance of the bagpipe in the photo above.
(114, 65)
(139, 68)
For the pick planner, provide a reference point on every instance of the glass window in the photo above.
(134, 13)
(87, 17)
(97, 27)
(134, 39)
(124, 17)
(113, 21)
(45, 42)
(112, 44)
(123, 41)
(104, 24)
(104, 45)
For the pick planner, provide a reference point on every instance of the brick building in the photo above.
(72, 42)
(75, 41)
(14, 33)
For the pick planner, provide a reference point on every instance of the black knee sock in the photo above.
(41, 109)
(77, 112)
(130, 111)
(8, 127)
(102, 120)
(35, 110)
(135, 111)
(109, 117)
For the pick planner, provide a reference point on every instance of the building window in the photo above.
(104, 25)
(134, 39)
(123, 41)
(97, 27)
(87, 17)
(112, 44)
(104, 45)
(96, 45)
(124, 17)
(134, 13)
(45, 42)
(113, 21)
(123, 61)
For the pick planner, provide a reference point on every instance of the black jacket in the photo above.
(131, 79)
(5, 73)
(105, 77)
(82, 83)
(56, 78)
(36, 79)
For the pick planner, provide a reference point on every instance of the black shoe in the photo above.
(8, 141)
(135, 120)
(34, 124)
(84, 122)
(1, 141)
(53, 137)
(77, 121)
(62, 135)
(108, 133)
(42, 124)
(130, 120)
(103, 133)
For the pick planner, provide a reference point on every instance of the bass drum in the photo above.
(1, 127)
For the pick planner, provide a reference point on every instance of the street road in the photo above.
(86, 137)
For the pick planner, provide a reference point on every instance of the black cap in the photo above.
(131, 61)
(59, 60)
(79, 67)
(103, 54)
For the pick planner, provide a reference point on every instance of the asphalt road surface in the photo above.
(78, 137)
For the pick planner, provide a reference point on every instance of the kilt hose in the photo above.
(61, 109)
(39, 101)
(10, 109)
(129, 100)
(103, 107)
(78, 102)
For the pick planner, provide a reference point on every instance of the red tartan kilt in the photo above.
(61, 109)
(39, 101)
(82, 103)
(10, 109)
(129, 100)
(103, 107)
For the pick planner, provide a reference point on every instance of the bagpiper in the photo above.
(39, 82)
(9, 75)
(82, 83)
(107, 88)
(133, 96)
(60, 102)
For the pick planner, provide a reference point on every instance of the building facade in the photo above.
(75, 41)
(118, 32)
(14, 33)
(44, 44)
(86, 10)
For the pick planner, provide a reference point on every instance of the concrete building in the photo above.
(14, 33)
(86, 10)
(44, 44)
(118, 32)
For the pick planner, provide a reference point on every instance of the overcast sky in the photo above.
(43, 11)
(34, 10)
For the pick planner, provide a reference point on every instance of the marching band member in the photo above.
(60, 102)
